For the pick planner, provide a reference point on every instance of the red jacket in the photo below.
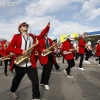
(42, 46)
(15, 46)
(4, 52)
(98, 50)
(81, 44)
(66, 46)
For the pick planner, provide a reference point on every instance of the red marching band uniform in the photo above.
(81, 45)
(44, 59)
(98, 50)
(18, 51)
(66, 47)
(4, 51)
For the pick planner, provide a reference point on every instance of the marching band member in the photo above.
(19, 45)
(68, 55)
(6, 57)
(55, 62)
(97, 52)
(46, 61)
(81, 50)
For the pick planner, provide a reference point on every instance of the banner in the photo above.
(76, 35)
(65, 36)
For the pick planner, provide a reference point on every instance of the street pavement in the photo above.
(84, 86)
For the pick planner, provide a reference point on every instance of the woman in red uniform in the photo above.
(66, 48)
(81, 49)
(97, 53)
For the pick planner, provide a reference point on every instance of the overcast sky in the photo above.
(65, 16)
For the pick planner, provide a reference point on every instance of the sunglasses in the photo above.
(25, 25)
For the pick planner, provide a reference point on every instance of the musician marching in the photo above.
(6, 57)
(97, 53)
(67, 51)
(46, 58)
(81, 49)
(19, 45)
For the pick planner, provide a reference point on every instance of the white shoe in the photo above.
(81, 68)
(13, 95)
(65, 72)
(69, 76)
(46, 87)
(35, 99)
(41, 84)
(95, 61)
(59, 69)
(86, 61)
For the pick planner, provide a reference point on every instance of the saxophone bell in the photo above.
(48, 50)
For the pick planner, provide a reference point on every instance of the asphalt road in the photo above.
(84, 86)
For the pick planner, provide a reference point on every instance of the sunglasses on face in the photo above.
(25, 25)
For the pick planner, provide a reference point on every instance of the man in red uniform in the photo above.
(19, 46)
(68, 55)
(46, 61)
(6, 57)
(81, 49)
(97, 52)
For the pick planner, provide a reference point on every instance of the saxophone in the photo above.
(49, 50)
(5, 57)
(22, 58)
(66, 52)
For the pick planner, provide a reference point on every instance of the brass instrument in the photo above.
(22, 58)
(66, 52)
(5, 57)
(49, 50)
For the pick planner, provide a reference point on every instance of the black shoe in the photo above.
(6, 74)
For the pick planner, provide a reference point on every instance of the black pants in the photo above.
(33, 76)
(88, 54)
(56, 66)
(46, 71)
(71, 63)
(5, 66)
(63, 59)
(98, 59)
(0, 61)
(76, 55)
(81, 60)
